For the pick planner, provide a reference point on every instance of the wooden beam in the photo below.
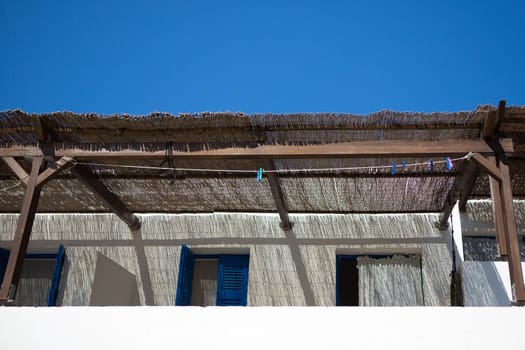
(468, 187)
(22, 234)
(84, 174)
(500, 116)
(50, 173)
(482, 163)
(493, 121)
(357, 149)
(489, 125)
(486, 165)
(461, 185)
(511, 236)
(278, 196)
(39, 129)
(497, 212)
(44, 177)
(17, 169)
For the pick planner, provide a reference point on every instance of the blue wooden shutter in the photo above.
(55, 282)
(185, 279)
(4, 258)
(232, 286)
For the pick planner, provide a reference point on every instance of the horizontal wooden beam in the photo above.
(357, 149)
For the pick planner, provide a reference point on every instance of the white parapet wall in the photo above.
(261, 328)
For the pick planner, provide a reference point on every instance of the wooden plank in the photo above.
(278, 196)
(461, 185)
(468, 187)
(511, 235)
(84, 174)
(17, 169)
(500, 115)
(357, 149)
(20, 151)
(39, 129)
(493, 121)
(53, 171)
(489, 125)
(22, 234)
(486, 165)
(44, 177)
(497, 212)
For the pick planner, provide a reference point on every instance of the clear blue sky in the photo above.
(260, 56)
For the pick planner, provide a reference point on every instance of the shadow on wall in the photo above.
(113, 285)
(483, 285)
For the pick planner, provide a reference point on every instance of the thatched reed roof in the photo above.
(367, 189)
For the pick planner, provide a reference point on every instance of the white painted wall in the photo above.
(487, 283)
(261, 328)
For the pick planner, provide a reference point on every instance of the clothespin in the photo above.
(449, 163)
(404, 164)
(393, 171)
(431, 165)
(259, 175)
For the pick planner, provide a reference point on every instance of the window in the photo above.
(378, 280)
(212, 279)
(40, 277)
(485, 248)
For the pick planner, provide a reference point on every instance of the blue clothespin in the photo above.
(431, 165)
(259, 175)
(393, 171)
(404, 164)
(449, 163)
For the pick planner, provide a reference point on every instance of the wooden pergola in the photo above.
(50, 157)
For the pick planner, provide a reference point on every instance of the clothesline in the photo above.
(447, 161)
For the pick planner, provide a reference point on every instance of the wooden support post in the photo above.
(278, 196)
(497, 212)
(511, 235)
(84, 174)
(22, 234)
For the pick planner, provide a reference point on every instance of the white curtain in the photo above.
(391, 281)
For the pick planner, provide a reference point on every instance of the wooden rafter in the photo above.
(278, 196)
(39, 129)
(84, 174)
(357, 149)
(22, 234)
(493, 121)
